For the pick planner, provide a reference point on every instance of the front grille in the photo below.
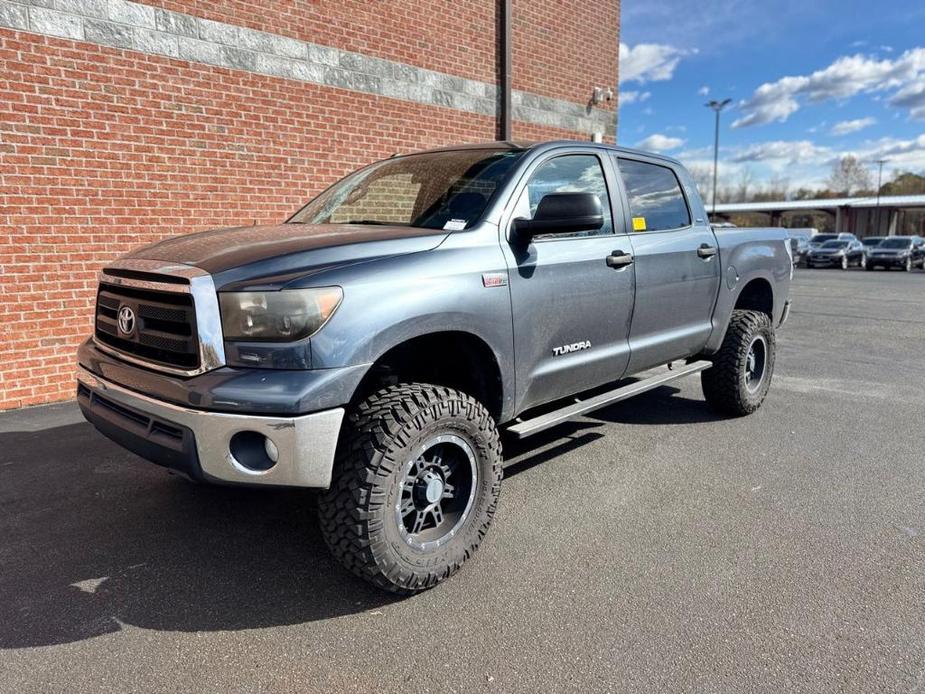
(165, 325)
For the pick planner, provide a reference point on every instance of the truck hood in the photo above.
(262, 251)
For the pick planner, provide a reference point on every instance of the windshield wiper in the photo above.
(366, 221)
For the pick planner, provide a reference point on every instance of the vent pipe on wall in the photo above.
(504, 115)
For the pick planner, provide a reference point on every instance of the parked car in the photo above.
(819, 239)
(904, 252)
(799, 247)
(802, 236)
(374, 344)
(843, 253)
(871, 242)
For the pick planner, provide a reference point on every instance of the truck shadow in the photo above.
(93, 538)
(659, 406)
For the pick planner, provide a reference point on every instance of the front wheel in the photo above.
(844, 262)
(415, 486)
(740, 377)
(908, 266)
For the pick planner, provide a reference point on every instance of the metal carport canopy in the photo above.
(908, 201)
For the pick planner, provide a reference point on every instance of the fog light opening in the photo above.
(253, 451)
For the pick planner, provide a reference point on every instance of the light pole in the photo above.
(880, 163)
(717, 106)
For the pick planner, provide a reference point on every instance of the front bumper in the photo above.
(824, 260)
(198, 443)
(887, 260)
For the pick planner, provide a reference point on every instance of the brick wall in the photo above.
(105, 148)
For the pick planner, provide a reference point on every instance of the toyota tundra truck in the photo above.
(380, 344)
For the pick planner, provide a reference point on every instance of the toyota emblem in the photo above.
(126, 320)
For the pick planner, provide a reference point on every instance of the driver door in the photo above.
(571, 309)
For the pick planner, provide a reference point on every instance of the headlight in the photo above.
(282, 316)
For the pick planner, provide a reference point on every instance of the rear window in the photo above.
(655, 198)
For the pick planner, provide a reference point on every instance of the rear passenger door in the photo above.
(677, 265)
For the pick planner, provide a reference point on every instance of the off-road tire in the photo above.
(379, 436)
(725, 383)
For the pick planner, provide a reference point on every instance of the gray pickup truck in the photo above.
(377, 344)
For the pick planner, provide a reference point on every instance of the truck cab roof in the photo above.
(524, 145)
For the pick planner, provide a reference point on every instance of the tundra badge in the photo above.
(574, 347)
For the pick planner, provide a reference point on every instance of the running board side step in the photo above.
(523, 429)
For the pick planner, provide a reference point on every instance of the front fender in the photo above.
(389, 302)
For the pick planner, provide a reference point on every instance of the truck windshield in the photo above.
(435, 190)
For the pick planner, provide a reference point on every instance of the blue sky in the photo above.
(810, 80)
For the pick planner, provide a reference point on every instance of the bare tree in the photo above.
(703, 179)
(849, 176)
(743, 184)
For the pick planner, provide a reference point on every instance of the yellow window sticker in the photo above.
(639, 223)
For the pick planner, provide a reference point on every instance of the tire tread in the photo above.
(351, 511)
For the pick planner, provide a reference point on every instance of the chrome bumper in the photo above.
(305, 444)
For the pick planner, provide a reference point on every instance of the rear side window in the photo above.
(655, 198)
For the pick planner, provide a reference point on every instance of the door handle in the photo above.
(706, 251)
(619, 259)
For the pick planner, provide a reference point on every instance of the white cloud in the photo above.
(649, 62)
(912, 97)
(781, 151)
(633, 96)
(852, 126)
(904, 155)
(660, 143)
(803, 163)
(845, 77)
(703, 91)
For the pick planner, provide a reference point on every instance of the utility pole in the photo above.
(717, 107)
(880, 163)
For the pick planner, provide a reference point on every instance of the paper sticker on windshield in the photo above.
(639, 223)
(455, 225)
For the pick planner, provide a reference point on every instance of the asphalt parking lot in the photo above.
(650, 547)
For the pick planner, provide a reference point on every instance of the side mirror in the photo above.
(562, 213)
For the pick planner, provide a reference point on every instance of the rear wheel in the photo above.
(862, 263)
(415, 486)
(740, 377)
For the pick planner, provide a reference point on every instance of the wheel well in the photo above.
(757, 295)
(456, 360)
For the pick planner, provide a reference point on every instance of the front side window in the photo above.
(435, 190)
(572, 173)
(655, 198)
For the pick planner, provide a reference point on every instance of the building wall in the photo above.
(123, 123)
